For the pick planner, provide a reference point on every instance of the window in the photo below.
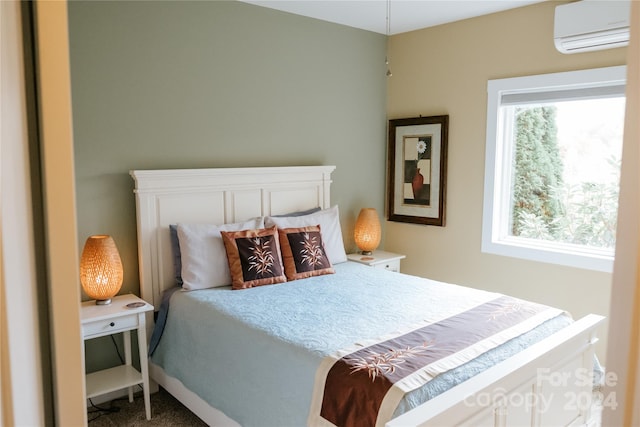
(552, 167)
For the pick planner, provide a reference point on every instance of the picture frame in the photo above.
(417, 170)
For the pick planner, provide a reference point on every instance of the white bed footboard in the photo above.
(548, 384)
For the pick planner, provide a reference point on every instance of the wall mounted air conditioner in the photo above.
(591, 25)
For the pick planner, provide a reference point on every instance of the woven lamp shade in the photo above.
(367, 231)
(100, 269)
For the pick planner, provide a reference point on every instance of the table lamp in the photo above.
(367, 231)
(100, 269)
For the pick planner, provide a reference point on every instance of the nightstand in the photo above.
(101, 320)
(379, 259)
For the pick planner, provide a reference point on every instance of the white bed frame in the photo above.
(543, 385)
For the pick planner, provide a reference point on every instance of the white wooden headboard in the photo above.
(215, 196)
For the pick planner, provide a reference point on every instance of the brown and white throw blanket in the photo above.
(364, 385)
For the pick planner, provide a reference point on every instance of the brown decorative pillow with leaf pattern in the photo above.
(303, 252)
(254, 257)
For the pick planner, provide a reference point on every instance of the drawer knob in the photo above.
(112, 324)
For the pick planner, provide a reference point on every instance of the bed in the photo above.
(237, 365)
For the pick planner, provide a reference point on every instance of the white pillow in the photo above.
(329, 221)
(204, 259)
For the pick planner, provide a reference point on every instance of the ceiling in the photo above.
(404, 15)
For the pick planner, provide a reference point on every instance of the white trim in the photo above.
(495, 236)
(58, 177)
(22, 385)
(624, 339)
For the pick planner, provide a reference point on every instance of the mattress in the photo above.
(254, 354)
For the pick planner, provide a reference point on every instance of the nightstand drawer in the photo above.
(389, 265)
(379, 259)
(110, 326)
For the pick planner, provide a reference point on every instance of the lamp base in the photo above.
(103, 301)
(366, 252)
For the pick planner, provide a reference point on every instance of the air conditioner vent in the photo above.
(589, 25)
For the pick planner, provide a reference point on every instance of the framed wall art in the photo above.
(417, 167)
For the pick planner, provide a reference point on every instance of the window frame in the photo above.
(498, 166)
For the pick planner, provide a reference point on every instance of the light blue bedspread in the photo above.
(253, 353)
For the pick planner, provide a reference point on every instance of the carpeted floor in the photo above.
(165, 411)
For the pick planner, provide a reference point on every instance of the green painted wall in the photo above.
(180, 84)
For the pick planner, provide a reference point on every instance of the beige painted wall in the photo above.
(444, 70)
